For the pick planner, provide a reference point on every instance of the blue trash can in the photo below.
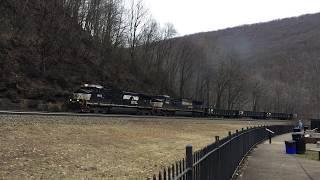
(291, 147)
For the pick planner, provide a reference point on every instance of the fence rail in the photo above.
(219, 160)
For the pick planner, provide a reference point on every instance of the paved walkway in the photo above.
(269, 162)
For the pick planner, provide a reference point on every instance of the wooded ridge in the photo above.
(48, 48)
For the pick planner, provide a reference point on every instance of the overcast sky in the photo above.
(191, 16)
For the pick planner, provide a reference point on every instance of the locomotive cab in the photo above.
(82, 96)
(130, 98)
(87, 92)
(161, 101)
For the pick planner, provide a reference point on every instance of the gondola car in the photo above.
(255, 115)
(221, 113)
(282, 116)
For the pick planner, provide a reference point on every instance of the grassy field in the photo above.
(44, 147)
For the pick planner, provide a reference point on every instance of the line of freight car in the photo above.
(95, 98)
(138, 110)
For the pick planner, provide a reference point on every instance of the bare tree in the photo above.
(229, 82)
(256, 94)
(221, 80)
(150, 39)
(185, 56)
(163, 58)
(137, 16)
(236, 85)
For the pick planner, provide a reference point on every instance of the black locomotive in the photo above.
(97, 99)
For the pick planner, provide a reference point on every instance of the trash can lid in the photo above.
(297, 133)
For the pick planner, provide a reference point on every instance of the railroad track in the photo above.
(133, 117)
(93, 115)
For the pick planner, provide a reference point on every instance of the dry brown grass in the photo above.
(43, 147)
(312, 155)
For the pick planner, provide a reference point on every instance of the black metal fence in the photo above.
(219, 160)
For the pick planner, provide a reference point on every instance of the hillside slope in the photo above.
(283, 55)
(47, 50)
(45, 54)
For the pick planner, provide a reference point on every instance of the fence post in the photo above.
(219, 157)
(270, 136)
(189, 162)
(217, 140)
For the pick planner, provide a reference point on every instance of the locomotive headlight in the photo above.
(78, 100)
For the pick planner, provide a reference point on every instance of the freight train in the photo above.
(92, 98)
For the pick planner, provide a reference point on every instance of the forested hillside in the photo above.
(48, 48)
(280, 60)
